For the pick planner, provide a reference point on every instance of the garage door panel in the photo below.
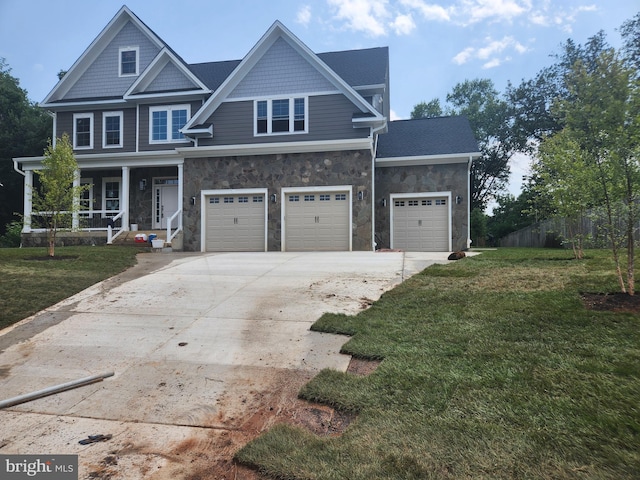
(317, 221)
(235, 223)
(421, 224)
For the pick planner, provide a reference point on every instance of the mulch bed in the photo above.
(612, 302)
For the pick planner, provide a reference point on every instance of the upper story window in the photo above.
(281, 116)
(82, 131)
(129, 61)
(112, 129)
(165, 123)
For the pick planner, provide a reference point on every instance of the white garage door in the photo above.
(317, 221)
(421, 224)
(235, 223)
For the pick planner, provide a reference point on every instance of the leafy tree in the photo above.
(429, 109)
(509, 215)
(57, 196)
(630, 32)
(24, 130)
(488, 115)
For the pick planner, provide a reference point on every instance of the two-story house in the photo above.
(286, 149)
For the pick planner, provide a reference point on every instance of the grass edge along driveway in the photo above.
(493, 368)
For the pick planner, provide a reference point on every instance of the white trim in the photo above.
(104, 129)
(78, 116)
(231, 191)
(169, 109)
(276, 147)
(395, 196)
(316, 189)
(426, 159)
(122, 50)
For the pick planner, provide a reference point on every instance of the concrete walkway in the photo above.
(196, 347)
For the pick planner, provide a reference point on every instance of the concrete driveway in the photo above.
(207, 350)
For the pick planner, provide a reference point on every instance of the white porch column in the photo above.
(125, 198)
(180, 193)
(28, 201)
(75, 214)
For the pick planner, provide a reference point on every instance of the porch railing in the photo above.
(88, 220)
(178, 229)
(112, 225)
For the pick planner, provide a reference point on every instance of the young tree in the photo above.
(58, 196)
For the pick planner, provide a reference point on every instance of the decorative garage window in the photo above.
(294, 198)
(325, 198)
(280, 116)
(413, 203)
(341, 196)
(441, 201)
(426, 202)
(243, 199)
(399, 203)
(82, 131)
(258, 199)
(228, 199)
(309, 198)
(213, 200)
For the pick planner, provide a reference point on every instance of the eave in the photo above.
(438, 159)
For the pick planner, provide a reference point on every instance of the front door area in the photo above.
(165, 201)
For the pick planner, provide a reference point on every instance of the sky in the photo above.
(433, 44)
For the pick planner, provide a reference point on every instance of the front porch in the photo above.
(143, 195)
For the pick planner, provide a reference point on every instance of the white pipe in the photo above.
(27, 397)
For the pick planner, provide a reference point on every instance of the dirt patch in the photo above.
(361, 367)
(612, 302)
(56, 257)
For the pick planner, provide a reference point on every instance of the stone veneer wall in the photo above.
(274, 172)
(418, 179)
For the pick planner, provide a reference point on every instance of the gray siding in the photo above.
(170, 78)
(65, 125)
(101, 78)
(329, 119)
(281, 71)
(428, 178)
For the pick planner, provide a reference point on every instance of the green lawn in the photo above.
(29, 282)
(492, 369)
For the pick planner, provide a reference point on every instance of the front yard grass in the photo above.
(493, 368)
(29, 281)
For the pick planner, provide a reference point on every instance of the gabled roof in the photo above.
(95, 48)
(140, 88)
(445, 137)
(276, 31)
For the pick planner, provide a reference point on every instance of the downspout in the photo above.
(374, 151)
(469, 202)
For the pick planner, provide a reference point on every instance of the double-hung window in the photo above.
(82, 131)
(165, 123)
(129, 61)
(111, 192)
(280, 116)
(112, 129)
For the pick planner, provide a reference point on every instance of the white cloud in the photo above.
(474, 11)
(403, 24)
(304, 15)
(394, 115)
(491, 51)
(427, 10)
(363, 15)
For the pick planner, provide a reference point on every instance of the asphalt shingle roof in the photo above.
(427, 136)
(356, 67)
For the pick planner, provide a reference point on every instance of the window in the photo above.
(442, 201)
(281, 116)
(325, 198)
(309, 198)
(112, 125)
(111, 196)
(213, 200)
(129, 61)
(82, 130)
(341, 196)
(165, 123)
(86, 196)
